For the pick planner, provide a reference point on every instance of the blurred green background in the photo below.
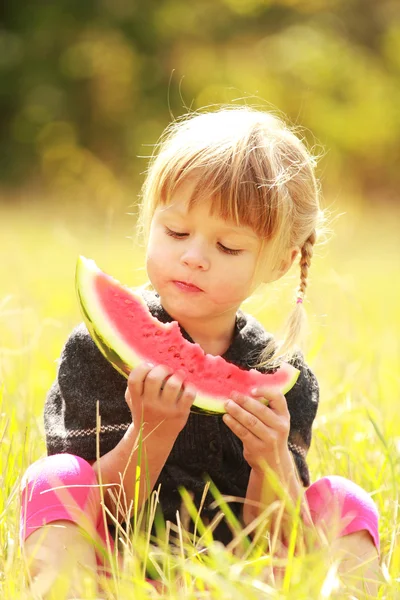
(87, 87)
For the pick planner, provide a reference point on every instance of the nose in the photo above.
(195, 257)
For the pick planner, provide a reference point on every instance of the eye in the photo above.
(177, 235)
(229, 250)
(174, 234)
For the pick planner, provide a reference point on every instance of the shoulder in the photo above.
(79, 339)
(254, 339)
(251, 330)
(250, 339)
(79, 349)
(307, 383)
(85, 378)
(82, 365)
(302, 402)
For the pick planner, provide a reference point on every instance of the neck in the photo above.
(214, 346)
(215, 336)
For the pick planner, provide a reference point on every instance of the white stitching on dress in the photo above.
(93, 431)
(298, 449)
(124, 426)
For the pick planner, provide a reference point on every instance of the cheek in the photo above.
(234, 280)
(160, 261)
(154, 260)
(153, 266)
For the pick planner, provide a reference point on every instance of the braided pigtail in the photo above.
(305, 261)
(296, 325)
(256, 172)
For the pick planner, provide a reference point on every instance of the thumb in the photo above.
(128, 399)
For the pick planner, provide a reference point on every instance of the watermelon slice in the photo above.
(126, 333)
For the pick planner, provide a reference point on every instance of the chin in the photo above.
(182, 307)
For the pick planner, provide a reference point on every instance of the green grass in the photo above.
(354, 348)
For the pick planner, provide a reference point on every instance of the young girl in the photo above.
(230, 201)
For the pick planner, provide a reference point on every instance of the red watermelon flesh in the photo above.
(126, 333)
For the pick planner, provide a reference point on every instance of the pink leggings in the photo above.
(65, 487)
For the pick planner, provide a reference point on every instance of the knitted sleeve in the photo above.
(86, 385)
(302, 401)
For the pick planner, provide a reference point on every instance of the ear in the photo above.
(286, 263)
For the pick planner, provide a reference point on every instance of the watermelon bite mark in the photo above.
(126, 333)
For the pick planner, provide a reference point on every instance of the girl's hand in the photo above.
(264, 430)
(156, 396)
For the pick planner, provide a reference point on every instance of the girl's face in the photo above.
(203, 250)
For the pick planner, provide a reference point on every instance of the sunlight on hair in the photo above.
(257, 173)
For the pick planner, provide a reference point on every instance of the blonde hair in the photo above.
(257, 173)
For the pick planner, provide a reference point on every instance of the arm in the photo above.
(87, 386)
(302, 404)
(259, 494)
(119, 466)
(160, 406)
(264, 431)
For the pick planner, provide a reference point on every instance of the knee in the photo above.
(343, 506)
(59, 487)
(59, 478)
(60, 469)
(338, 490)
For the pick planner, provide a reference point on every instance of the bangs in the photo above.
(237, 183)
(252, 169)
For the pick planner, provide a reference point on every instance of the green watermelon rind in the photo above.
(117, 351)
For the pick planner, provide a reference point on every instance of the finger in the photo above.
(155, 378)
(173, 388)
(188, 396)
(248, 422)
(128, 398)
(127, 395)
(252, 413)
(276, 400)
(238, 429)
(136, 379)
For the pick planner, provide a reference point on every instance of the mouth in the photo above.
(187, 286)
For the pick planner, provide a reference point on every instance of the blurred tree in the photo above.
(87, 87)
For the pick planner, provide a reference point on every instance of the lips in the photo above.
(189, 285)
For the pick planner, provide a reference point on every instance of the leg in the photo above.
(348, 519)
(57, 557)
(60, 503)
(359, 567)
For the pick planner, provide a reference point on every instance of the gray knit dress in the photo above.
(205, 448)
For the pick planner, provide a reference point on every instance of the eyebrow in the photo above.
(237, 230)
